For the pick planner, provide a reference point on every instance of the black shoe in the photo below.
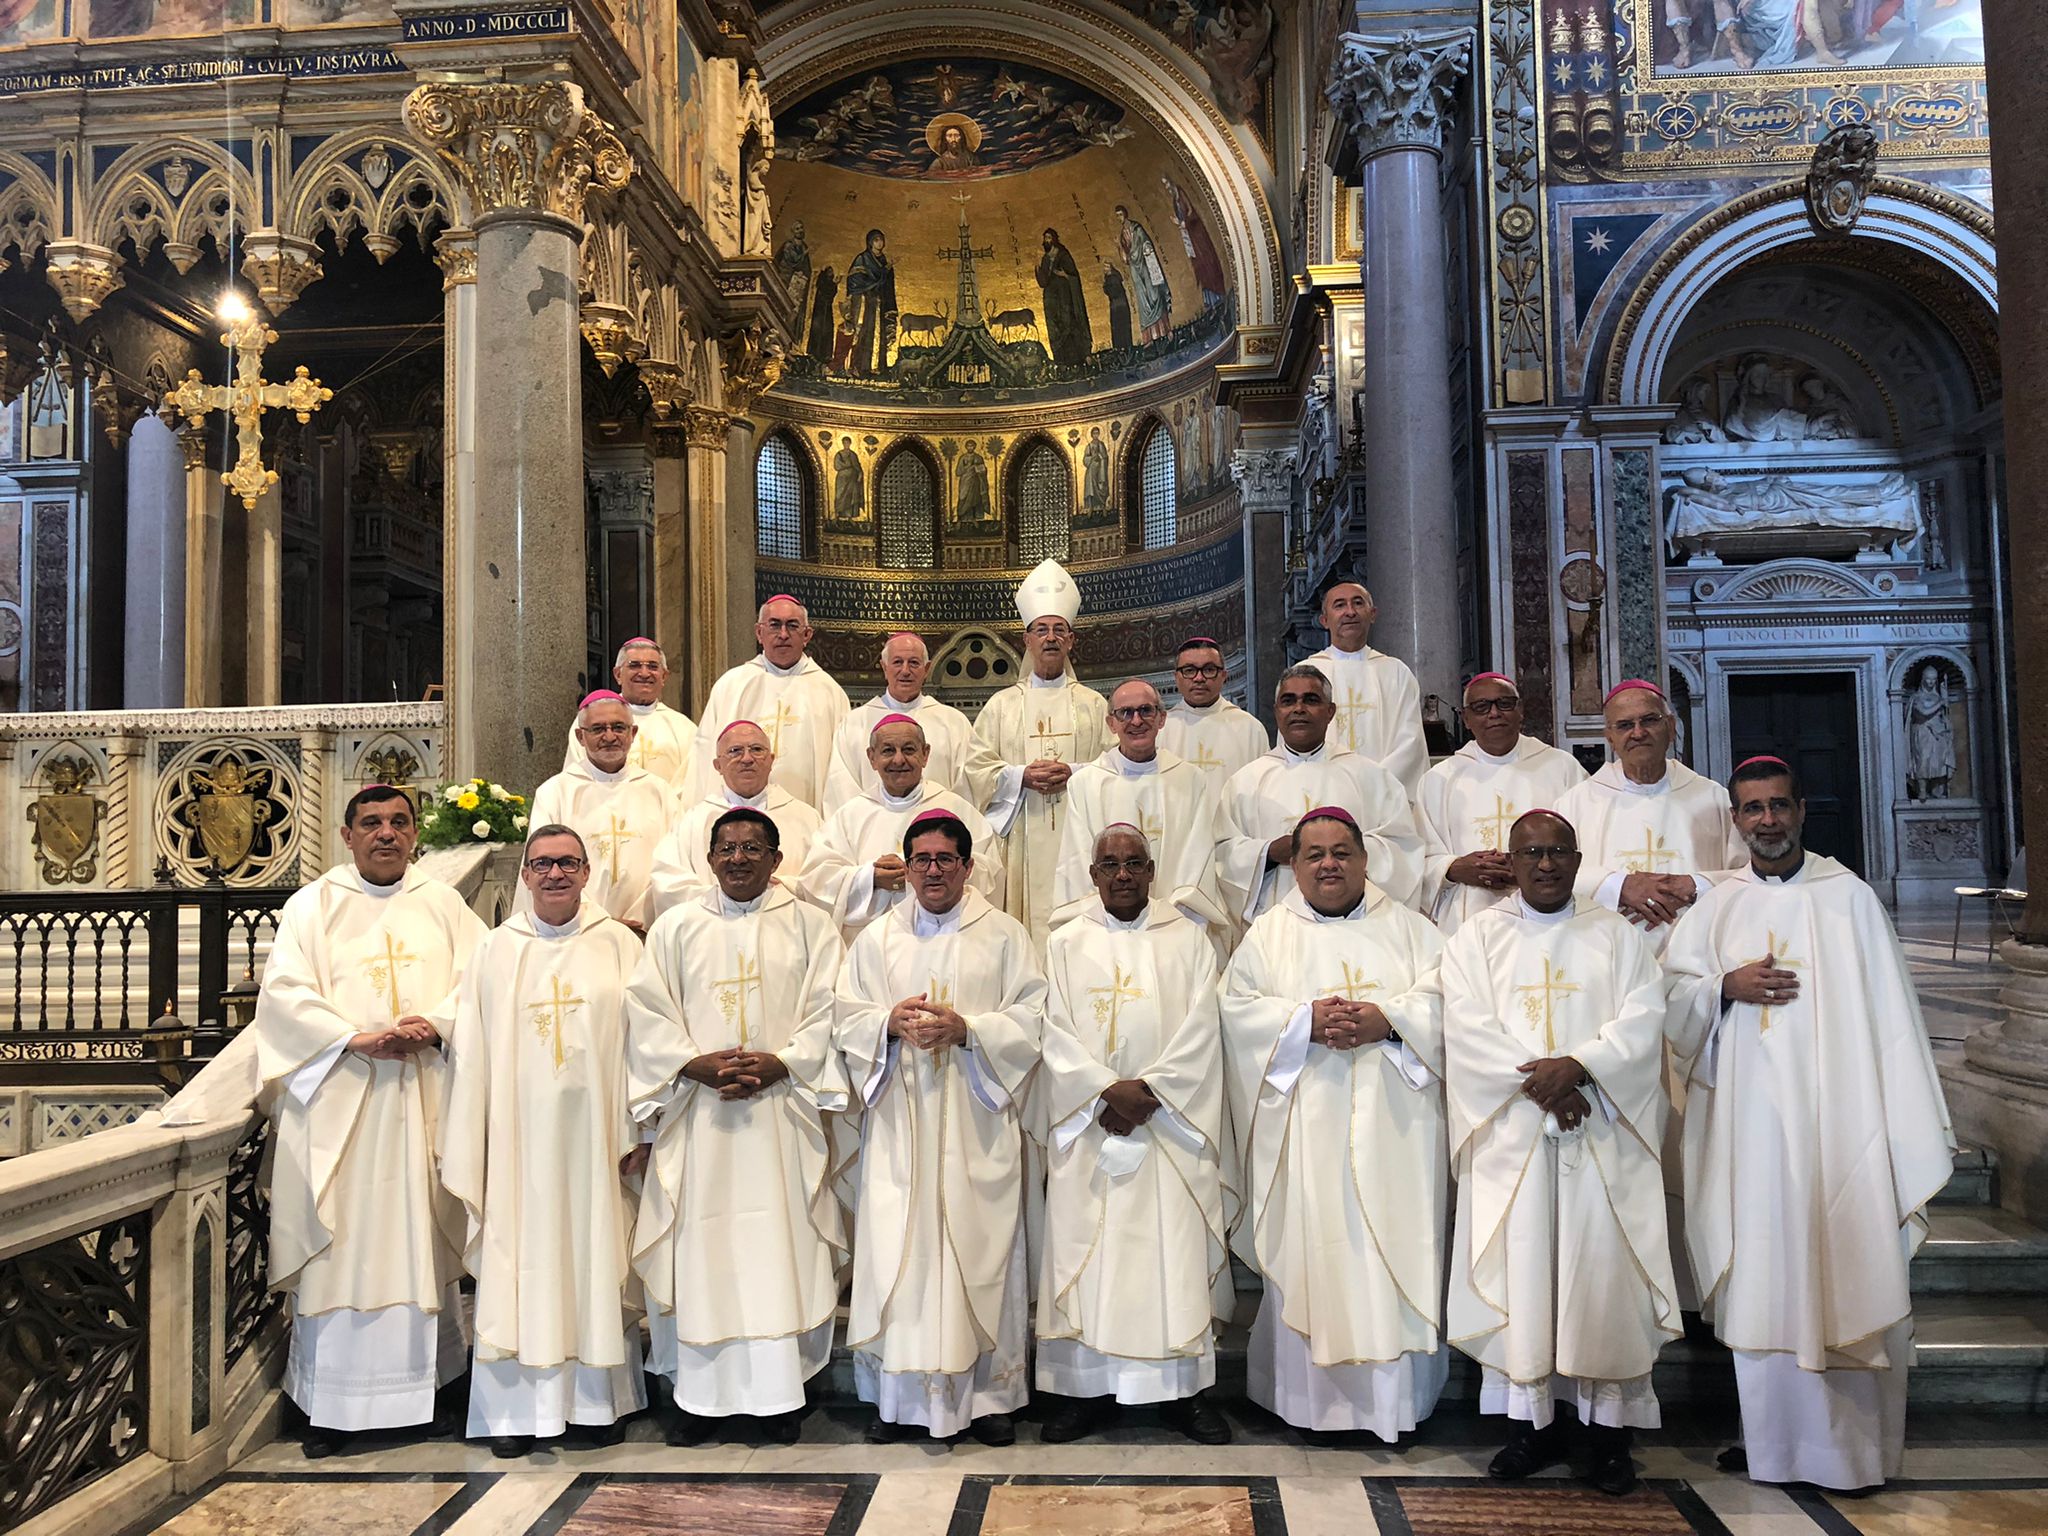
(994, 1429)
(686, 1429)
(1527, 1452)
(1076, 1419)
(784, 1428)
(1612, 1470)
(595, 1437)
(506, 1447)
(1734, 1459)
(1198, 1419)
(882, 1432)
(317, 1444)
(1322, 1439)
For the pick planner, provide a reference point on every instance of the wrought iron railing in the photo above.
(251, 1303)
(87, 980)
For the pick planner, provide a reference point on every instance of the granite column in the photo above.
(153, 675)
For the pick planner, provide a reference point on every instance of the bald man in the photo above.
(663, 737)
(906, 664)
(793, 699)
(621, 812)
(1379, 703)
(745, 764)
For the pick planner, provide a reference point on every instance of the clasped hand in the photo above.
(1486, 869)
(890, 873)
(1126, 1105)
(736, 1073)
(1553, 1082)
(1655, 900)
(928, 1025)
(1342, 1024)
(1048, 775)
(411, 1033)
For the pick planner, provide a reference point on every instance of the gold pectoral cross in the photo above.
(551, 1016)
(732, 992)
(1540, 998)
(383, 969)
(610, 839)
(1644, 860)
(1493, 830)
(1109, 1003)
(1774, 955)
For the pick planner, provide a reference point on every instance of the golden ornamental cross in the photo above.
(610, 839)
(1347, 716)
(1204, 758)
(1048, 741)
(774, 723)
(1493, 830)
(732, 992)
(1352, 984)
(1109, 1003)
(1540, 998)
(1774, 948)
(246, 397)
(938, 992)
(551, 1016)
(383, 969)
(1644, 860)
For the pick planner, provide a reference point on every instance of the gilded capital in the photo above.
(668, 388)
(533, 147)
(753, 360)
(83, 275)
(704, 427)
(281, 266)
(1399, 92)
(1264, 476)
(455, 253)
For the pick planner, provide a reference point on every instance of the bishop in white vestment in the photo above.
(855, 870)
(1333, 1046)
(532, 1143)
(1379, 703)
(745, 765)
(1561, 1284)
(731, 1062)
(1815, 1135)
(1469, 801)
(795, 701)
(1265, 799)
(906, 664)
(1135, 1265)
(664, 739)
(622, 813)
(939, 1011)
(1203, 727)
(1169, 800)
(357, 993)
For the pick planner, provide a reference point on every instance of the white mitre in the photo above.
(1048, 592)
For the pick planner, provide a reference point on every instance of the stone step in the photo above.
(1980, 1251)
(1975, 1181)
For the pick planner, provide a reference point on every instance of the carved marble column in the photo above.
(1395, 97)
(263, 566)
(668, 439)
(1265, 487)
(153, 674)
(455, 251)
(526, 156)
(704, 434)
(622, 480)
(204, 542)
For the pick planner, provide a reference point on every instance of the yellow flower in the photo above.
(519, 799)
(469, 801)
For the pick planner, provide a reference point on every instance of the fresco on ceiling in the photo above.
(1713, 37)
(165, 18)
(1232, 40)
(948, 240)
(30, 21)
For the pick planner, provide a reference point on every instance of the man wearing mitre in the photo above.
(1027, 740)
(1470, 799)
(906, 664)
(1561, 1284)
(730, 1059)
(1264, 800)
(357, 995)
(795, 701)
(664, 739)
(745, 765)
(1815, 1135)
(1333, 1054)
(1134, 1275)
(856, 870)
(619, 811)
(534, 1141)
(1168, 799)
(939, 1010)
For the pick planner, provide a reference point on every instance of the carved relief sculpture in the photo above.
(66, 822)
(1708, 508)
(1930, 739)
(1399, 93)
(1838, 181)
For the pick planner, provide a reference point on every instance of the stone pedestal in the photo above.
(1394, 95)
(153, 674)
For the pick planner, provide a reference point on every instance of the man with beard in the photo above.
(1065, 307)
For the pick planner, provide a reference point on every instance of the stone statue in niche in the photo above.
(1695, 421)
(1759, 414)
(757, 224)
(1930, 738)
(1318, 452)
(1708, 506)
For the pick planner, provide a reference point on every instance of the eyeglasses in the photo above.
(568, 864)
(1210, 671)
(610, 728)
(741, 851)
(1131, 714)
(782, 626)
(1552, 851)
(745, 754)
(1120, 866)
(944, 863)
(1485, 707)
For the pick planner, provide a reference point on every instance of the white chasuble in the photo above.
(1561, 1284)
(1265, 799)
(799, 709)
(1135, 1265)
(1815, 1135)
(664, 740)
(1468, 803)
(1379, 711)
(531, 1138)
(359, 1223)
(1173, 804)
(622, 818)
(947, 733)
(839, 875)
(682, 861)
(1343, 1165)
(1678, 826)
(1218, 738)
(1026, 723)
(739, 1233)
(939, 1318)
